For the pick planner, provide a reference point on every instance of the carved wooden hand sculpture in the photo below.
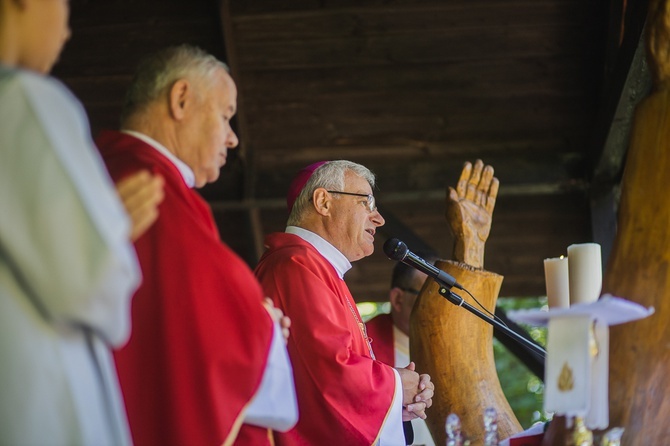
(453, 346)
(469, 212)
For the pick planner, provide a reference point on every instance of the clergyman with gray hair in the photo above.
(345, 395)
(206, 362)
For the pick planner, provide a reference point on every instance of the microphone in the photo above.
(397, 250)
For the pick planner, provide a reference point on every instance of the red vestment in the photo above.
(344, 395)
(380, 330)
(200, 335)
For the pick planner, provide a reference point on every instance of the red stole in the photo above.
(200, 335)
(343, 394)
(380, 330)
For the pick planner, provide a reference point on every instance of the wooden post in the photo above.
(639, 266)
(456, 349)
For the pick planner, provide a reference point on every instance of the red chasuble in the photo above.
(380, 330)
(200, 336)
(344, 395)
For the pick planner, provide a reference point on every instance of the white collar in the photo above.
(185, 171)
(331, 253)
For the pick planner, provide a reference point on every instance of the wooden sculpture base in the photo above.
(456, 348)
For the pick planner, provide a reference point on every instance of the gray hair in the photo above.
(158, 72)
(330, 176)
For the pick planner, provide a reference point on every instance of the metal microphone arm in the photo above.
(459, 301)
(397, 250)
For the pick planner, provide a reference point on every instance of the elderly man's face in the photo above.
(208, 135)
(354, 226)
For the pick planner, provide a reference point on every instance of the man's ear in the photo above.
(395, 297)
(322, 201)
(180, 93)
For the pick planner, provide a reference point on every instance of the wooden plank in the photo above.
(414, 196)
(234, 230)
(428, 174)
(230, 185)
(304, 7)
(409, 88)
(410, 48)
(100, 91)
(389, 104)
(115, 50)
(445, 18)
(550, 76)
(393, 119)
(86, 14)
(245, 151)
(479, 78)
(418, 150)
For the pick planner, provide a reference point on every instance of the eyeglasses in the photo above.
(371, 205)
(410, 290)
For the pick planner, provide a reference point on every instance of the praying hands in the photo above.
(418, 391)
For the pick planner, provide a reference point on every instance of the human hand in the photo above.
(141, 193)
(278, 316)
(410, 383)
(469, 212)
(417, 393)
(422, 401)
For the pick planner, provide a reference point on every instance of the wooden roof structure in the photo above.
(542, 90)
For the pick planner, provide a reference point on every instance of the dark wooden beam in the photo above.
(628, 83)
(245, 151)
(533, 189)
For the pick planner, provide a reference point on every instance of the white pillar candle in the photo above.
(556, 281)
(585, 272)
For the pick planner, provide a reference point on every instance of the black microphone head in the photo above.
(395, 249)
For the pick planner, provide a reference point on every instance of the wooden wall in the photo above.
(411, 89)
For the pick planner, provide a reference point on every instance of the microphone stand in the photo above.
(457, 300)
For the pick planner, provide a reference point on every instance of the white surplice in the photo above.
(67, 272)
